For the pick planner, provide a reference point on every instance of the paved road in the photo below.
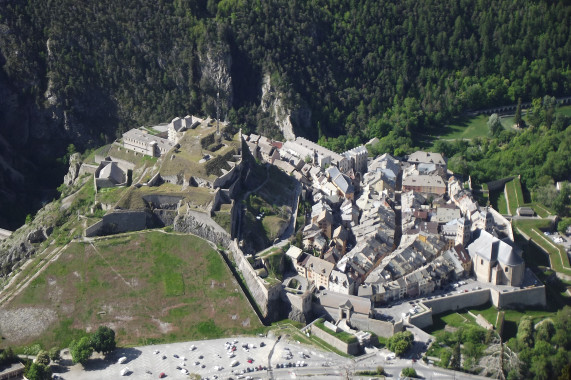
(210, 359)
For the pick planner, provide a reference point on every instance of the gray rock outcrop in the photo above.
(287, 117)
(73, 171)
(216, 80)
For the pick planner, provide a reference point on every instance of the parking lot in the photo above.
(212, 359)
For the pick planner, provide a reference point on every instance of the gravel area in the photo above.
(23, 323)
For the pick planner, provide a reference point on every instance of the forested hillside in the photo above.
(80, 72)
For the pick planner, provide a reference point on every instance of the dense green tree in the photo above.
(43, 357)
(400, 342)
(517, 117)
(545, 331)
(494, 125)
(456, 357)
(525, 332)
(103, 340)
(39, 371)
(81, 350)
(55, 354)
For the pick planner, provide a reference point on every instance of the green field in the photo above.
(565, 110)
(467, 127)
(498, 201)
(515, 196)
(150, 287)
(533, 229)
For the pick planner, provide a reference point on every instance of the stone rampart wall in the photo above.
(497, 216)
(155, 180)
(117, 222)
(458, 301)
(261, 293)
(348, 348)
(226, 180)
(381, 328)
(422, 319)
(123, 164)
(171, 179)
(87, 168)
(301, 302)
(215, 204)
(498, 184)
(167, 202)
(202, 225)
(528, 297)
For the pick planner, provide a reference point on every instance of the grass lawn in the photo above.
(463, 127)
(498, 201)
(532, 228)
(565, 110)
(149, 287)
(512, 197)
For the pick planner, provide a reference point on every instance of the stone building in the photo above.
(178, 126)
(145, 143)
(496, 261)
(427, 184)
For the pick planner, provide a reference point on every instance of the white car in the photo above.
(125, 371)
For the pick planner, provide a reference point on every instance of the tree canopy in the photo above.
(81, 350)
(103, 340)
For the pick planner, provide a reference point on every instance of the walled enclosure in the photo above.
(529, 297)
(348, 348)
(381, 328)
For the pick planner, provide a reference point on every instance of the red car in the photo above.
(250, 361)
(162, 375)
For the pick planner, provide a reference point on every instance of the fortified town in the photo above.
(371, 244)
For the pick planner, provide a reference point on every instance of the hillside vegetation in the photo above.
(149, 287)
(82, 71)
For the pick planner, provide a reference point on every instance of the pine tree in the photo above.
(517, 117)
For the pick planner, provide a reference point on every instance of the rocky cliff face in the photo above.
(23, 243)
(287, 118)
(73, 171)
(216, 80)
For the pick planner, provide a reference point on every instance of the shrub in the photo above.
(43, 358)
(408, 372)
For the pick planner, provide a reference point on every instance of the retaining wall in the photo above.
(501, 300)
(458, 301)
(497, 216)
(166, 202)
(348, 348)
(499, 183)
(260, 291)
(529, 297)
(381, 328)
(301, 302)
(123, 164)
(87, 168)
(422, 319)
(117, 222)
(202, 225)
(231, 176)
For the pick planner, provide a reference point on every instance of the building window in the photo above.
(507, 269)
(482, 261)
